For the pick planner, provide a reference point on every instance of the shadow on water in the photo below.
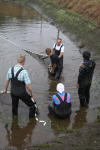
(20, 137)
(59, 126)
(80, 118)
(25, 27)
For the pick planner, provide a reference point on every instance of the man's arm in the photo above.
(62, 51)
(61, 54)
(29, 88)
(28, 83)
(81, 74)
(52, 51)
(6, 85)
(79, 80)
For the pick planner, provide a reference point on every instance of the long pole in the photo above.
(13, 43)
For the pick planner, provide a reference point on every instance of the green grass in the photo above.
(45, 145)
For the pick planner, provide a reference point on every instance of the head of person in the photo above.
(86, 55)
(60, 88)
(59, 40)
(48, 51)
(21, 59)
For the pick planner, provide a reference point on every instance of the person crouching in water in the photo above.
(86, 71)
(53, 68)
(61, 103)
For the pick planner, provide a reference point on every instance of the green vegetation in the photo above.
(98, 109)
(98, 116)
(61, 126)
(45, 145)
(65, 16)
(74, 23)
(69, 21)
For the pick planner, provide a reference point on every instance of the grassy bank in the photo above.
(88, 8)
(67, 20)
(83, 28)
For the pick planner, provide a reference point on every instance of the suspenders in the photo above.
(65, 97)
(60, 46)
(17, 87)
(12, 72)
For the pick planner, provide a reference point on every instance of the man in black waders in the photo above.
(58, 50)
(86, 71)
(20, 81)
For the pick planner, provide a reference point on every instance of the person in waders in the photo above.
(86, 71)
(58, 50)
(61, 103)
(20, 81)
(54, 62)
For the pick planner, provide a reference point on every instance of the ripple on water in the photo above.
(36, 35)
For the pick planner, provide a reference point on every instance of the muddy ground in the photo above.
(86, 138)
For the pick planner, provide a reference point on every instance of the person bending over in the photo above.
(54, 68)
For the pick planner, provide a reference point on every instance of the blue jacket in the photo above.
(57, 101)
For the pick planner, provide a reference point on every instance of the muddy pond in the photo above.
(27, 28)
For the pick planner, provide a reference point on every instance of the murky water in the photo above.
(27, 28)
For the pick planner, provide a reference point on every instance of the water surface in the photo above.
(31, 31)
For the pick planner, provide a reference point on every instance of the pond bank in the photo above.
(71, 22)
(80, 29)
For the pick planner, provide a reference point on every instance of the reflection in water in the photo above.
(20, 137)
(19, 11)
(52, 86)
(80, 118)
(59, 125)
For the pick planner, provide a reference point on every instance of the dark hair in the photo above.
(86, 55)
(48, 51)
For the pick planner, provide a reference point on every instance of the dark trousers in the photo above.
(57, 74)
(84, 95)
(52, 111)
(26, 98)
(60, 65)
(59, 68)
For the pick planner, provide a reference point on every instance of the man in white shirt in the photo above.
(58, 49)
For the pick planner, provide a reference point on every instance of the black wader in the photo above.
(86, 71)
(18, 91)
(84, 95)
(63, 110)
(60, 63)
